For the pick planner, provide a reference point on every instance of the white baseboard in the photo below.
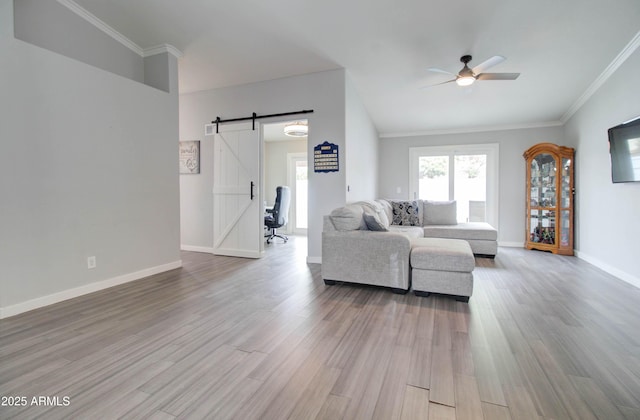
(314, 260)
(40, 302)
(511, 244)
(622, 275)
(241, 253)
(195, 248)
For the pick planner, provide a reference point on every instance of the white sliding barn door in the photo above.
(237, 212)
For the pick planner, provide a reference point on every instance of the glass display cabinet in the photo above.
(549, 197)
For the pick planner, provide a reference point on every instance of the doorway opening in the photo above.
(286, 163)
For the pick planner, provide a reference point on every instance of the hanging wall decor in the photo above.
(325, 157)
(189, 156)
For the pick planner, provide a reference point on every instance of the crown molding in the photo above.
(92, 19)
(95, 21)
(472, 129)
(604, 76)
(159, 49)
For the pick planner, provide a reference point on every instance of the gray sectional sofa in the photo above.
(370, 242)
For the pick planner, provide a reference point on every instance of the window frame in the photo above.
(491, 150)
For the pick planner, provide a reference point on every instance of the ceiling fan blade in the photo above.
(498, 76)
(493, 61)
(437, 84)
(435, 70)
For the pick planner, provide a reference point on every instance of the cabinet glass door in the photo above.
(543, 227)
(565, 217)
(565, 193)
(547, 177)
(542, 224)
(535, 183)
(565, 203)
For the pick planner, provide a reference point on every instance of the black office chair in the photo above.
(279, 215)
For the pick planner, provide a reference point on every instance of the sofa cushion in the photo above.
(469, 231)
(441, 255)
(440, 213)
(409, 231)
(405, 213)
(348, 218)
(373, 222)
(375, 208)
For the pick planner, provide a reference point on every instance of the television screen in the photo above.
(624, 147)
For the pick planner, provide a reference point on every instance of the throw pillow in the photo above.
(387, 210)
(440, 213)
(348, 218)
(405, 213)
(375, 208)
(373, 223)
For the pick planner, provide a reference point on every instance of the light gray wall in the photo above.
(323, 92)
(159, 71)
(394, 169)
(88, 168)
(607, 214)
(51, 25)
(361, 154)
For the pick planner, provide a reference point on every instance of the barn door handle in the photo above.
(252, 190)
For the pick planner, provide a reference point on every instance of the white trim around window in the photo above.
(491, 150)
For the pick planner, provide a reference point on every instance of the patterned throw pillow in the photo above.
(405, 213)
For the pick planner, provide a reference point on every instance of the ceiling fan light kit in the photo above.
(468, 76)
(465, 81)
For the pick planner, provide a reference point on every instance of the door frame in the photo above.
(290, 229)
(291, 178)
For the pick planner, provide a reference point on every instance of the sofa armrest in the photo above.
(377, 258)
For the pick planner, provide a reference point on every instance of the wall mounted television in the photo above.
(624, 147)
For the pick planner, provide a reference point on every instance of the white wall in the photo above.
(394, 169)
(88, 168)
(323, 92)
(361, 152)
(607, 214)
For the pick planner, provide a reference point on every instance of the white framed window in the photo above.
(465, 173)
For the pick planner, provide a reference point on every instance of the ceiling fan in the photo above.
(467, 76)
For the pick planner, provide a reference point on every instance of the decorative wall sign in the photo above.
(325, 157)
(189, 156)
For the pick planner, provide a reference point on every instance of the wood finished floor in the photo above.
(543, 337)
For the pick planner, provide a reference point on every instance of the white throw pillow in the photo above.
(388, 211)
(348, 218)
(375, 208)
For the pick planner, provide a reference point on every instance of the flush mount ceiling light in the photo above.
(296, 129)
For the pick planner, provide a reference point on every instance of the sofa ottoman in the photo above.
(443, 266)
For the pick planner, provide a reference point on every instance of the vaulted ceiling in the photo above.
(559, 47)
